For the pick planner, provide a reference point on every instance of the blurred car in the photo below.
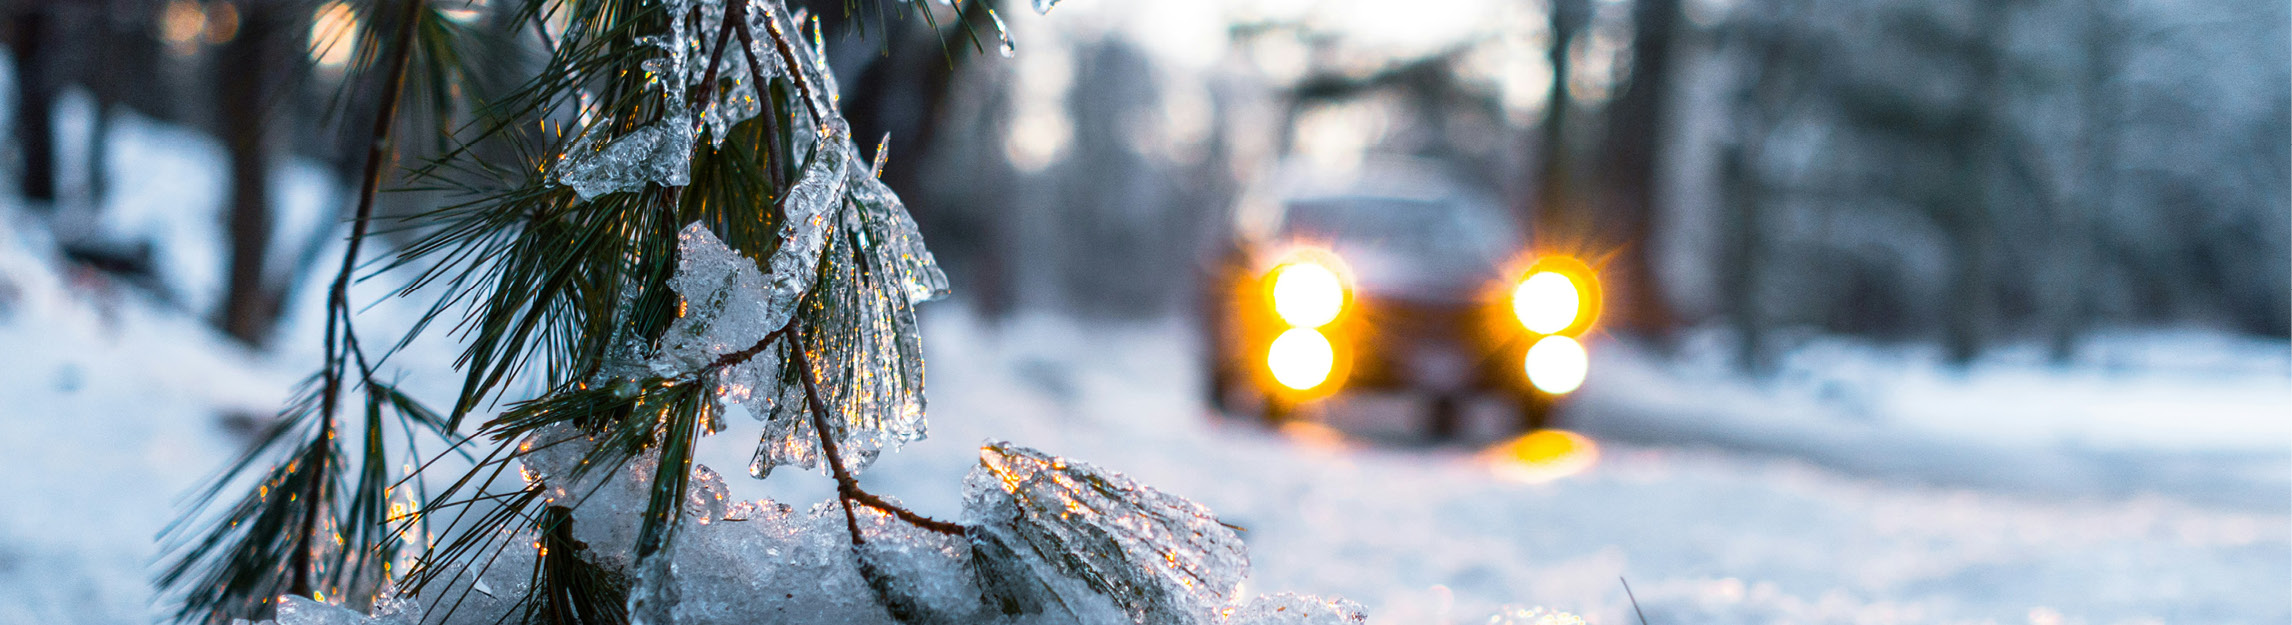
(1391, 275)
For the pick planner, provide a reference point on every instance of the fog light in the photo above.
(1300, 358)
(1557, 364)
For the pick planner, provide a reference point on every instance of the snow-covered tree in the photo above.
(667, 224)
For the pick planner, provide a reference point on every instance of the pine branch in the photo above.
(235, 568)
(847, 487)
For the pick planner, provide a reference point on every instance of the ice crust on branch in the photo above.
(1048, 541)
(660, 152)
(852, 264)
(1162, 559)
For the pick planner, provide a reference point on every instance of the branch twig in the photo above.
(847, 487)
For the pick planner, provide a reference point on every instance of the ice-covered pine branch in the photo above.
(1048, 540)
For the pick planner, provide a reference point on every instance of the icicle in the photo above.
(1294, 609)
(1002, 35)
(1162, 559)
(882, 149)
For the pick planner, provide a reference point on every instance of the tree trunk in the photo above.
(1553, 215)
(1636, 127)
(35, 102)
(249, 304)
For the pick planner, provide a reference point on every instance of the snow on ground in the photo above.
(2201, 414)
(1934, 506)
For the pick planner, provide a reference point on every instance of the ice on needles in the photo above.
(661, 152)
(1161, 559)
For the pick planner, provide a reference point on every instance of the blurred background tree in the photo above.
(1954, 171)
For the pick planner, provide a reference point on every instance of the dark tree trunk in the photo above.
(1635, 140)
(1967, 205)
(29, 30)
(244, 63)
(1554, 213)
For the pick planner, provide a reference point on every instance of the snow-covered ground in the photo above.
(1864, 485)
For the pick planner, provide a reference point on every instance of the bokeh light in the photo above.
(1557, 364)
(1546, 302)
(1543, 456)
(1300, 358)
(334, 35)
(1307, 295)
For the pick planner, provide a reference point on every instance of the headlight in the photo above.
(1307, 294)
(1300, 358)
(1547, 302)
(1557, 364)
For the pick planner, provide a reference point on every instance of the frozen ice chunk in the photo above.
(725, 307)
(654, 597)
(1294, 609)
(920, 576)
(660, 152)
(1160, 558)
(1516, 615)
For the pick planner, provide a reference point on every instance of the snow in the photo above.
(2134, 487)
(2206, 415)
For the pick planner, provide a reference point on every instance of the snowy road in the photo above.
(110, 408)
(1439, 535)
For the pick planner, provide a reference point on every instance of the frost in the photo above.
(1293, 609)
(1515, 615)
(660, 152)
(1039, 520)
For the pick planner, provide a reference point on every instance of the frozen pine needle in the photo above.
(1158, 558)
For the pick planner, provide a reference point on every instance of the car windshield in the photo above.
(1407, 244)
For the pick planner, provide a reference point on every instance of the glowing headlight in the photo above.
(1307, 295)
(1300, 358)
(1546, 302)
(1557, 364)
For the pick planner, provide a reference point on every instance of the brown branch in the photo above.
(847, 486)
(795, 71)
(738, 11)
(338, 328)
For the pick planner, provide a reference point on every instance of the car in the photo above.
(1390, 275)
